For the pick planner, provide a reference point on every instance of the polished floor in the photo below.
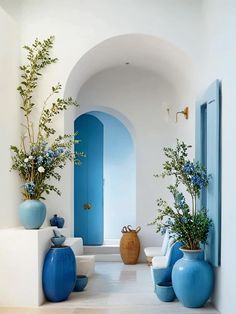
(114, 289)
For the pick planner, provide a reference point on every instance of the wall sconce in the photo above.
(185, 112)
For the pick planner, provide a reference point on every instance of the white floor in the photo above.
(115, 288)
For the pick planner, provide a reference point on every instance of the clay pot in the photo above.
(130, 245)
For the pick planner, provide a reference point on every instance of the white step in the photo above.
(108, 258)
(111, 242)
(101, 249)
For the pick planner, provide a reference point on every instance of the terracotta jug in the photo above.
(130, 245)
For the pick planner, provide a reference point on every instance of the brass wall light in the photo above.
(185, 112)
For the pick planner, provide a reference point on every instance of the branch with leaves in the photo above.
(37, 160)
(186, 224)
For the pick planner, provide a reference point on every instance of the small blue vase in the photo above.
(165, 291)
(32, 214)
(57, 221)
(59, 273)
(80, 283)
(60, 222)
(192, 279)
(53, 221)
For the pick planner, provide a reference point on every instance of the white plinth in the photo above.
(22, 255)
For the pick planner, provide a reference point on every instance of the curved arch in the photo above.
(144, 50)
(115, 113)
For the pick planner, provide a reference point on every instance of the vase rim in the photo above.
(190, 251)
(32, 199)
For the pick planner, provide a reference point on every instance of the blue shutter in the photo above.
(208, 152)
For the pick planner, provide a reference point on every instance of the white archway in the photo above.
(158, 62)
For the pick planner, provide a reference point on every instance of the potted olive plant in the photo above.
(192, 277)
(41, 153)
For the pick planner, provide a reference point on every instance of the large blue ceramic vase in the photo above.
(32, 214)
(59, 273)
(192, 279)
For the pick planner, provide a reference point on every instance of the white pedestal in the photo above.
(22, 255)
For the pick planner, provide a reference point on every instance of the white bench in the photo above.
(85, 264)
(153, 251)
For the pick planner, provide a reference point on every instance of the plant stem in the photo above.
(44, 106)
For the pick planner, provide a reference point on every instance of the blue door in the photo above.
(208, 152)
(88, 181)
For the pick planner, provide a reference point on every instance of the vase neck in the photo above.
(193, 255)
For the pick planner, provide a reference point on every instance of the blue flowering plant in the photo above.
(184, 221)
(41, 154)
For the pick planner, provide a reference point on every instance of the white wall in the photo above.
(141, 96)
(220, 62)
(9, 119)
(119, 175)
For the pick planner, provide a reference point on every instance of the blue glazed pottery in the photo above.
(81, 283)
(57, 221)
(58, 241)
(32, 214)
(192, 279)
(165, 291)
(59, 273)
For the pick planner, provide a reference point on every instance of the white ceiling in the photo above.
(147, 52)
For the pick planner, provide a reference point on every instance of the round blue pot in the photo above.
(192, 279)
(59, 273)
(57, 221)
(32, 214)
(165, 291)
(81, 283)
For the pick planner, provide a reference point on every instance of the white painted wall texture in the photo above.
(9, 118)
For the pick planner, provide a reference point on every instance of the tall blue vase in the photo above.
(192, 279)
(59, 273)
(32, 214)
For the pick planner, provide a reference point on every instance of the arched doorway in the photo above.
(104, 185)
(138, 77)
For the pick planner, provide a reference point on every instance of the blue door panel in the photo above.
(88, 223)
(95, 182)
(208, 151)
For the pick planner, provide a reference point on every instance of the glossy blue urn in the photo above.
(59, 273)
(32, 214)
(192, 279)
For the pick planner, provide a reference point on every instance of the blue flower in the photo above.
(50, 153)
(197, 180)
(39, 160)
(59, 151)
(169, 222)
(30, 187)
(163, 230)
(184, 220)
(188, 168)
